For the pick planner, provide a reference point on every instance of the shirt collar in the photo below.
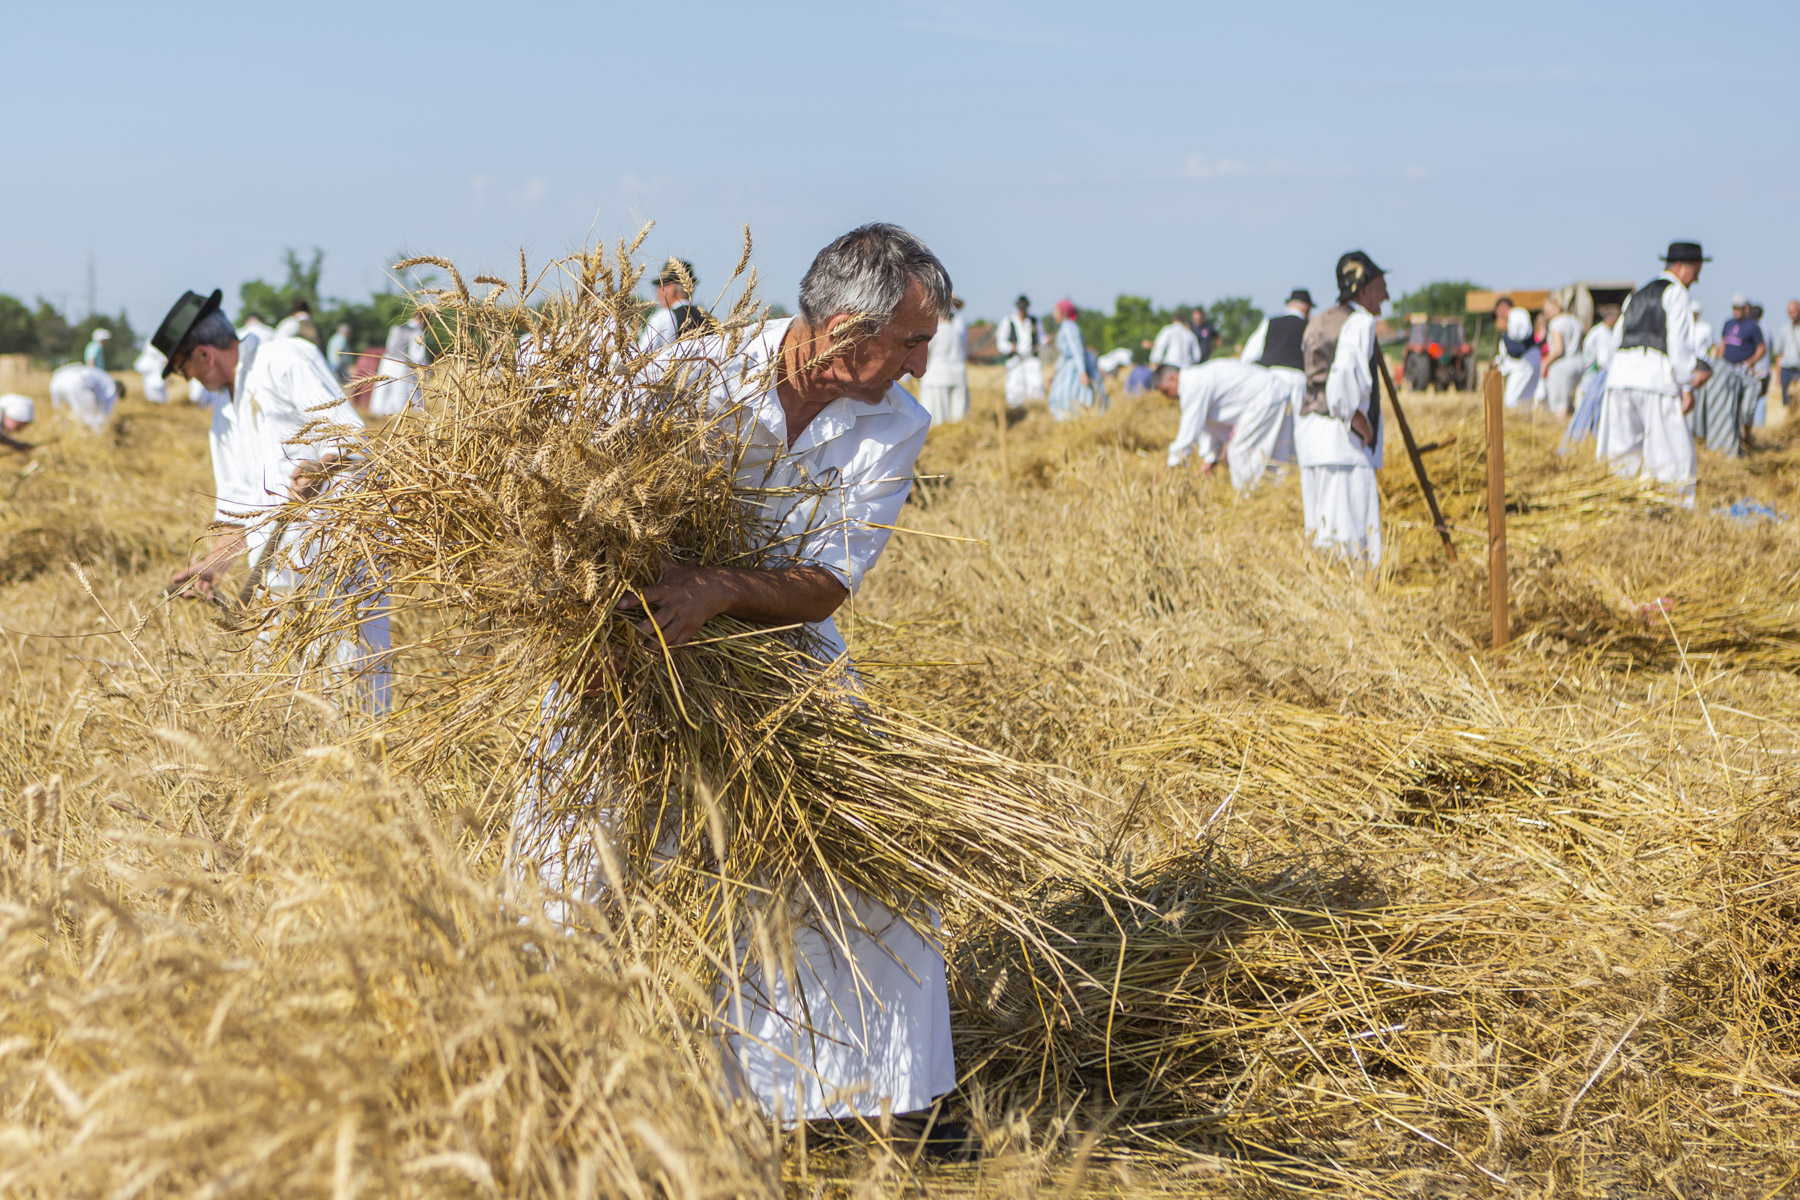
(832, 421)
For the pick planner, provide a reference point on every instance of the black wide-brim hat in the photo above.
(1353, 271)
(1301, 295)
(1680, 252)
(677, 270)
(188, 312)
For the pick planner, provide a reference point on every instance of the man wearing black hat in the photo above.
(675, 317)
(1650, 384)
(1018, 339)
(266, 440)
(1338, 435)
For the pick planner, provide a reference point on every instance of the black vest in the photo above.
(1282, 344)
(1645, 323)
(691, 320)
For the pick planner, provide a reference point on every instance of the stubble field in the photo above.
(1409, 916)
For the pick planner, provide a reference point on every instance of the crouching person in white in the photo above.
(861, 1026)
(1228, 411)
(1650, 384)
(268, 397)
(1338, 435)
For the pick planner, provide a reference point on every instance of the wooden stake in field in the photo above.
(1005, 469)
(1418, 458)
(1493, 396)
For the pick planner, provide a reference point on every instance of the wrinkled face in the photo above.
(1374, 294)
(872, 362)
(215, 369)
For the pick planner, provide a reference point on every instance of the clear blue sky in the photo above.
(1176, 150)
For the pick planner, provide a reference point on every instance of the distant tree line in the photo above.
(1134, 319)
(50, 337)
(1443, 298)
(369, 320)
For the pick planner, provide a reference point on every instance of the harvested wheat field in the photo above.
(1258, 876)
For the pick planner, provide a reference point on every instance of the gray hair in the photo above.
(865, 273)
(214, 329)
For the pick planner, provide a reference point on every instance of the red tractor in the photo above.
(1439, 356)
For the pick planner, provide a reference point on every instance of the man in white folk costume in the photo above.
(1229, 411)
(149, 366)
(1651, 383)
(89, 393)
(1175, 346)
(1338, 435)
(944, 388)
(1517, 356)
(1018, 339)
(402, 362)
(862, 1025)
(675, 316)
(264, 392)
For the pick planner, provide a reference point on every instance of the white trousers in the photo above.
(156, 388)
(860, 1023)
(946, 402)
(1521, 375)
(1264, 434)
(1643, 434)
(1343, 510)
(1024, 381)
(1559, 385)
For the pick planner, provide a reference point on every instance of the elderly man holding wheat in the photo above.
(855, 1021)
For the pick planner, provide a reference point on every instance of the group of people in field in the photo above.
(860, 1029)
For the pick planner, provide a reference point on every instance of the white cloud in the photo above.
(1416, 171)
(535, 188)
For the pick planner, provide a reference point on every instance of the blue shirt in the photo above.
(1741, 338)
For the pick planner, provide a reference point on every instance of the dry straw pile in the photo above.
(1354, 904)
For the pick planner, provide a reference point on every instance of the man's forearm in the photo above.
(780, 595)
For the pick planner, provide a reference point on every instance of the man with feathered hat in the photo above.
(1337, 437)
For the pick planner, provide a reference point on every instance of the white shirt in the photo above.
(1214, 396)
(1569, 326)
(1703, 338)
(658, 331)
(1598, 347)
(1648, 370)
(150, 361)
(288, 326)
(89, 393)
(1325, 439)
(852, 464)
(1518, 328)
(1786, 343)
(282, 386)
(1013, 338)
(947, 357)
(1175, 346)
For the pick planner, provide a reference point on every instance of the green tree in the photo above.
(1444, 298)
(121, 350)
(272, 302)
(18, 335)
(369, 320)
(1236, 318)
(54, 337)
(1133, 321)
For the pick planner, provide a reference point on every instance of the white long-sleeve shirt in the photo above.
(1325, 439)
(947, 357)
(1014, 337)
(1214, 396)
(1175, 346)
(1647, 370)
(1598, 347)
(282, 386)
(834, 496)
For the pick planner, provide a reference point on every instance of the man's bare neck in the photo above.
(799, 385)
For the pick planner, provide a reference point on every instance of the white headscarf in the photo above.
(19, 408)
